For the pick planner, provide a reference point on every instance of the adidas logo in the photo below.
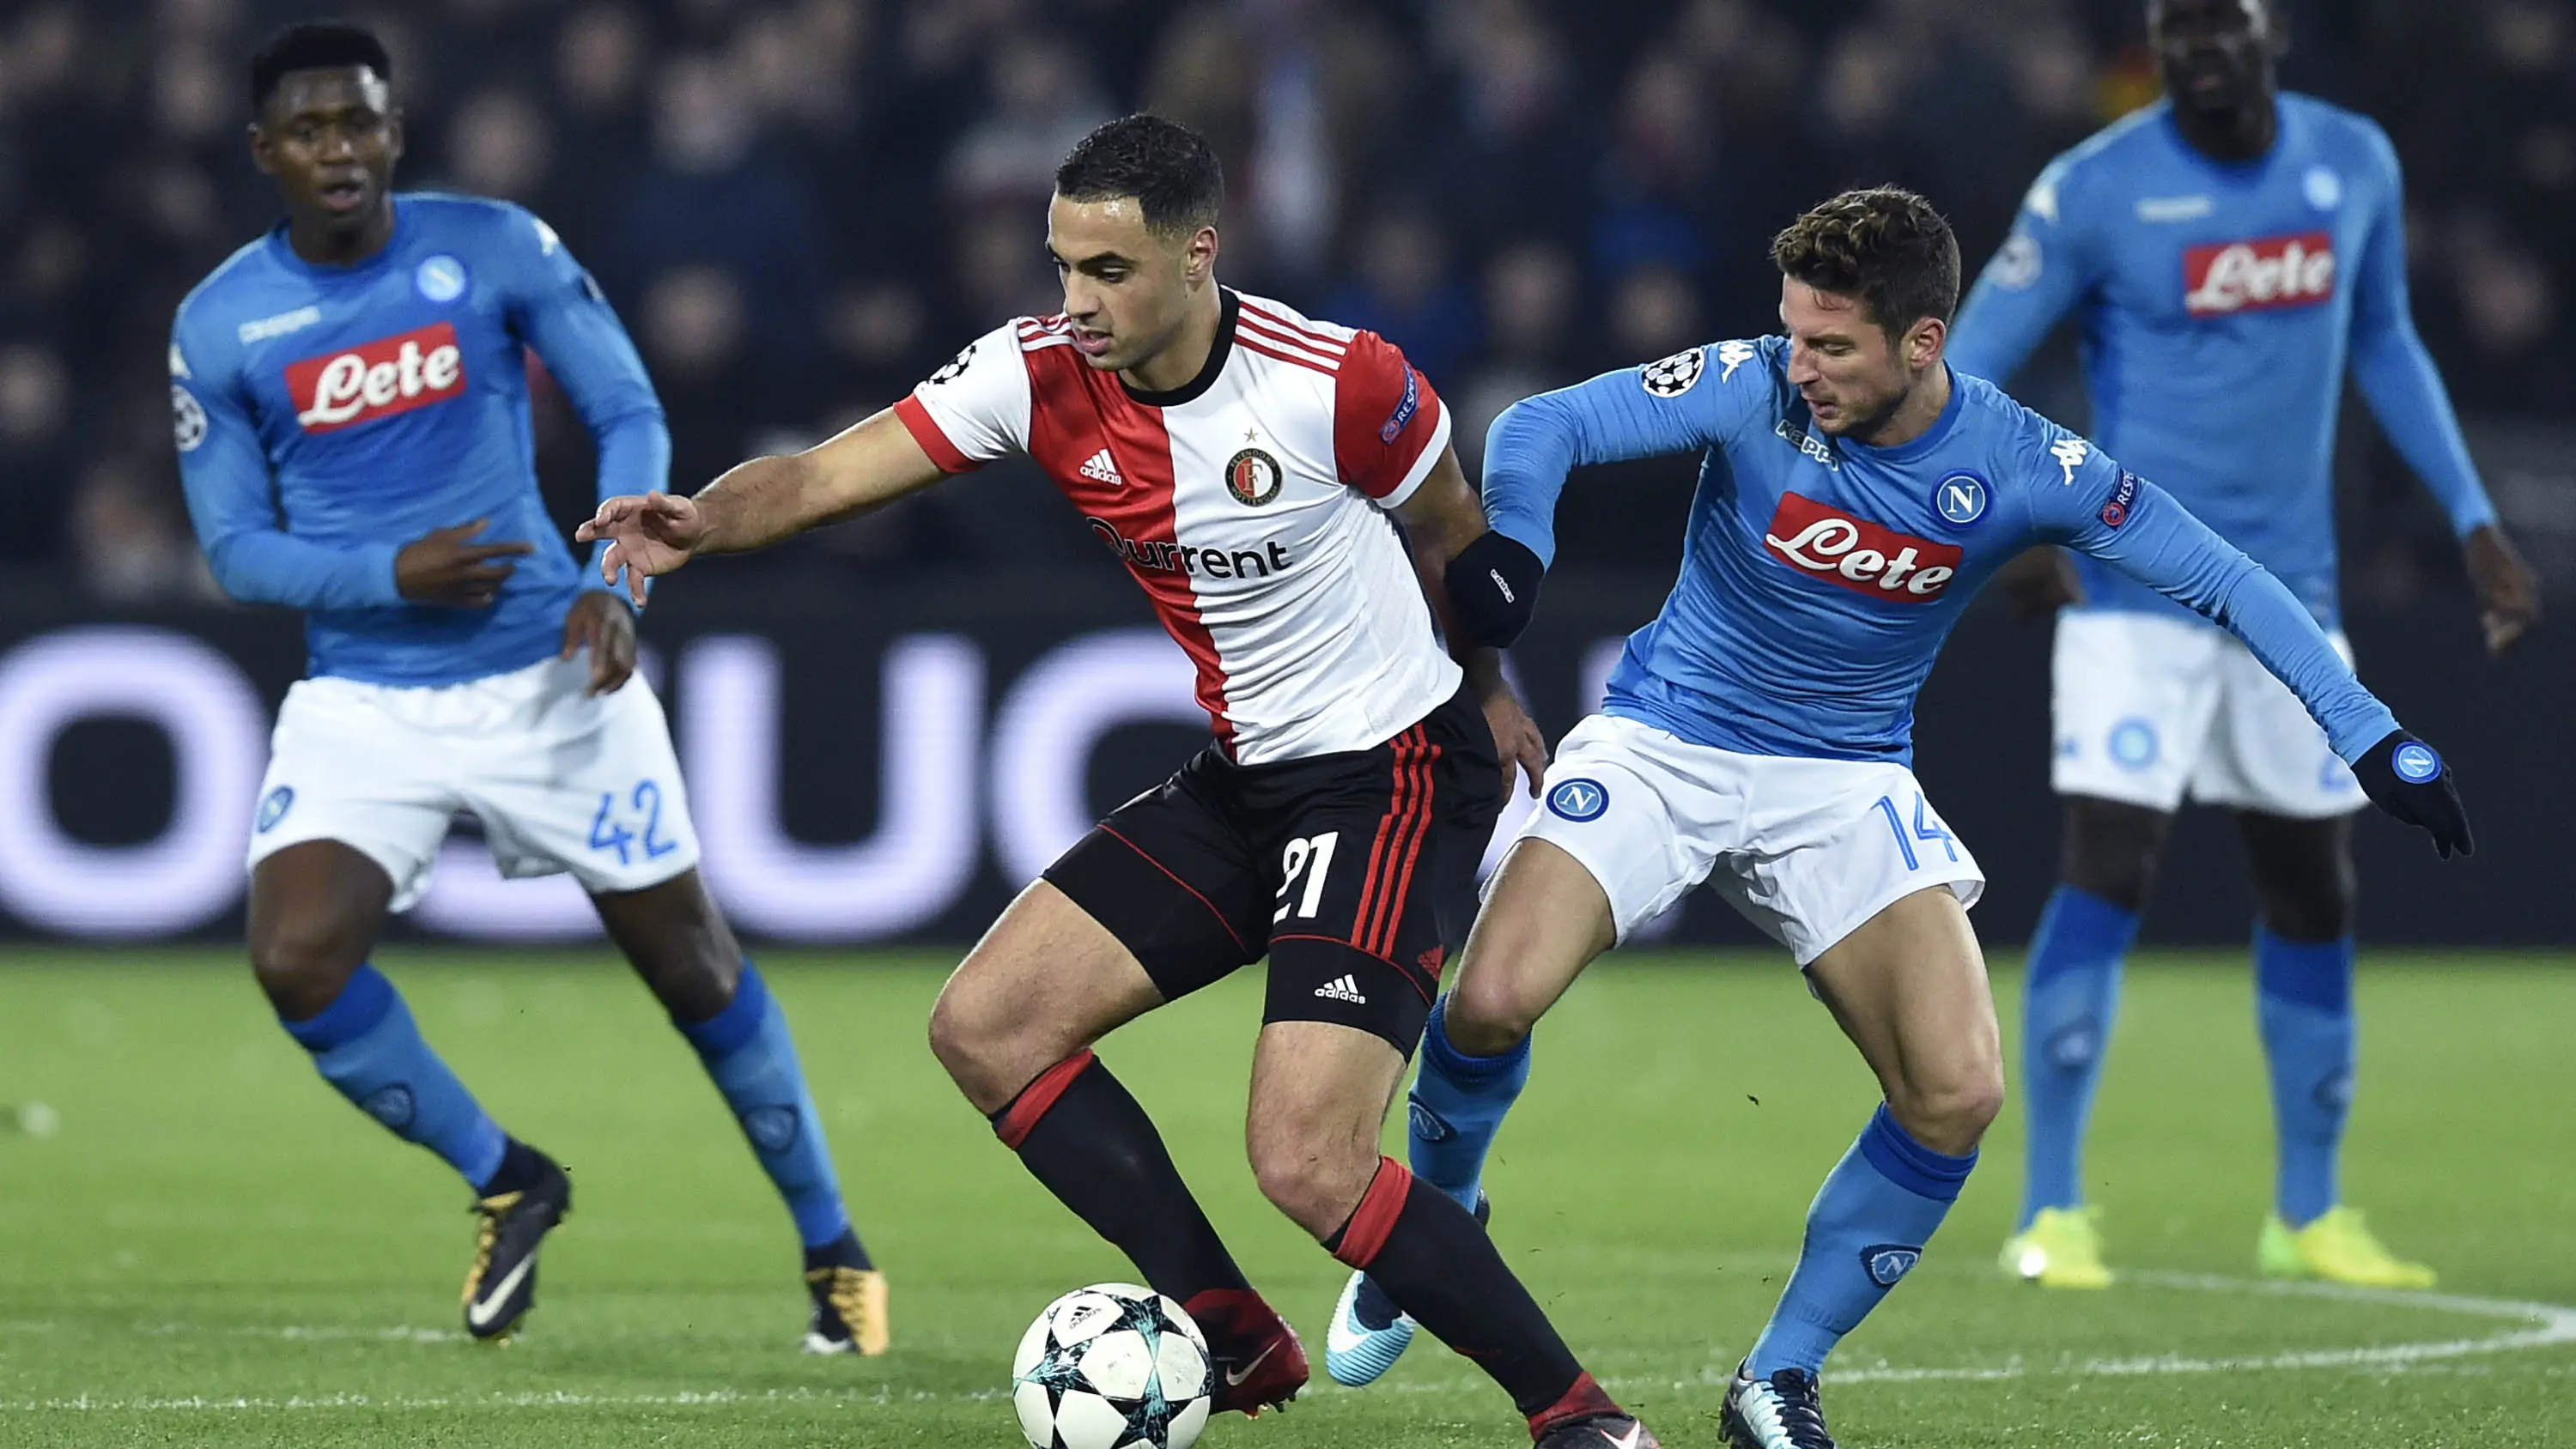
(1345, 989)
(1102, 469)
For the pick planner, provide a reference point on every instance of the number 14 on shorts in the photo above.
(626, 824)
(1927, 826)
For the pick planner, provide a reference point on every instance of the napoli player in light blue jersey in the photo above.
(2229, 253)
(352, 402)
(1855, 491)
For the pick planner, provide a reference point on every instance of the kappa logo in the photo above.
(2070, 454)
(1343, 988)
(2175, 208)
(1887, 1263)
(1813, 447)
(279, 325)
(1734, 355)
(1672, 376)
(1101, 468)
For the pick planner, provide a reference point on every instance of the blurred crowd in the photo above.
(801, 206)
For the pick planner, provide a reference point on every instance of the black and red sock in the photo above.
(1435, 1261)
(1080, 1133)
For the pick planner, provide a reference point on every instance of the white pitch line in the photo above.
(2544, 1325)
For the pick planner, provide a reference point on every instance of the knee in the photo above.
(2111, 850)
(302, 963)
(1951, 1113)
(1487, 1015)
(1317, 1186)
(962, 1037)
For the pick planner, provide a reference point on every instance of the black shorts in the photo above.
(1355, 873)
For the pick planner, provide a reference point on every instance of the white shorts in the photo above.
(1806, 849)
(2146, 708)
(560, 781)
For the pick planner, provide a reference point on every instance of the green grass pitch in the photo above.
(212, 1249)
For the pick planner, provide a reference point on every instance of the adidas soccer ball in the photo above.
(1112, 1366)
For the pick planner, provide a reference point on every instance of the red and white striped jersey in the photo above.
(1243, 502)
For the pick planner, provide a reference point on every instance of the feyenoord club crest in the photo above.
(1253, 477)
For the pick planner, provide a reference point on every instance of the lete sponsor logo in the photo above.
(1862, 557)
(2253, 276)
(377, 379)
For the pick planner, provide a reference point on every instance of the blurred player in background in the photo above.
(1857, 490)
(352, 401)
(1242, 461)
(2227, 250)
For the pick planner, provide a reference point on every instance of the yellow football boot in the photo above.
(849, 1311)
(2337, 1248)
(2062, 1248)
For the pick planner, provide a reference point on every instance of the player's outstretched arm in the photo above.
(2140, 530)
(1475, 604)
(1680, 404)
(760, 503)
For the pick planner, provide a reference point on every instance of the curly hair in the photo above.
(1885, 245)
(314, 45)
(1169, 168)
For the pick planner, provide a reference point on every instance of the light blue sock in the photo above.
(1865, 1231)
(2070, 999)
(366, 1045)
(2303, 1000)
(748, 1052)
(1458, 1105)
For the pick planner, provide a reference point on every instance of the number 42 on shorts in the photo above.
(1927, 826)
(642, 825)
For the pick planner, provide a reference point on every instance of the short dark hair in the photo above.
(1170, 169)
(1886, 246)
(314, 45)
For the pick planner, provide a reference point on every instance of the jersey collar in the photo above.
(1191, 391)
(284, 251)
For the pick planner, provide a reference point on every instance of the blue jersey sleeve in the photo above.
(2395, 371)
(231, 501)
(1684, 403)
(2040, 274)
(558, 310)
(2114, 515)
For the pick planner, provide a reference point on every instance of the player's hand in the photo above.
(606, 627)
(2040, 581)
(1516, 738)
(2508, 593)
(442, 567)
(2403, 776)
(647, 535)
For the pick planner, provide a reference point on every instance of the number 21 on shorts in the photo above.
(1927, 826)
(1312, 857)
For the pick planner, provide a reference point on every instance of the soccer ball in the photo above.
(1112, 1366)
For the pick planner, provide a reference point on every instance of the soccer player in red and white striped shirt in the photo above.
(1239, 459)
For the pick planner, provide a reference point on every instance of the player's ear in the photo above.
(394, 136)
(2276, 29)
(1923, 343)
(1198, 256)
(260, 155)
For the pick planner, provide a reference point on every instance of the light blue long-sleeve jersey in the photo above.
(329, 415)
(1820, 575)
(2220, 305)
